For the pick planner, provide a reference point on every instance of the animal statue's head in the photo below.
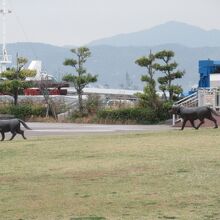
(175, 109)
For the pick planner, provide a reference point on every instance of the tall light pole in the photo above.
(4, 58)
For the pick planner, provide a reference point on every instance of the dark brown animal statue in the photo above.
(192, 114)
(13, 126)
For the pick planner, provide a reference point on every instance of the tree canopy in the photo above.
(80, 77)
(159, 63)
(149, 97)
(170, 73)
(15, 79)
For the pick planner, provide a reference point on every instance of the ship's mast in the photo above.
(4, 57)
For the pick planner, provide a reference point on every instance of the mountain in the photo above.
(114, 64)
(167, 33)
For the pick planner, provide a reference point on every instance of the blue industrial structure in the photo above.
(207, 67)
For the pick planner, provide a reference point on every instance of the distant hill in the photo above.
(167, 33)
(112, 63)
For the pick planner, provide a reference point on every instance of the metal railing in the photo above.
(188, 101)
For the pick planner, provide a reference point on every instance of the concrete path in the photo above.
(39, 129)
(56, 129)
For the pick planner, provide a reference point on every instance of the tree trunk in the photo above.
(165, 95)
(15, 97)
(170, 92)
(171, 95)
(80, 102)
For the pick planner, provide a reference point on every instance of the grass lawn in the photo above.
(160, 175)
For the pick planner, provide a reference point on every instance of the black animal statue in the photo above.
(13, 126)
(192, 114)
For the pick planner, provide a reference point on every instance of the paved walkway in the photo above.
(39, 129)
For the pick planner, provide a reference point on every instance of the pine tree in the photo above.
(168, 68)
(80, 78)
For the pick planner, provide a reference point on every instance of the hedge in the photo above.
(23, 111)
(137, 115)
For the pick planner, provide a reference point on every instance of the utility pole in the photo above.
(4, 57)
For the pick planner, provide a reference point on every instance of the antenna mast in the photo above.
(4, 57)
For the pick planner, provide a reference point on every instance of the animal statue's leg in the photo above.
(201, 122)
(22, 133)
(13, 135)
(192, 123)
(184, 123)
(3, 136)
(214, 120)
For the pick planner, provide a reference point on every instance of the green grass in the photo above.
(160, 175)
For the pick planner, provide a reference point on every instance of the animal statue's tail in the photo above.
(214, 112)
(24, 124)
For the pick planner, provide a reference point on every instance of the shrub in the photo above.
(92, 104)
(23, 111)
(38, 111)
(137, 115)
(163, 111)
(77, 115)
(20, 111)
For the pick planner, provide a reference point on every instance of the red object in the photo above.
(63, 91)
(51, 91)
(54, 92)
(32, 91)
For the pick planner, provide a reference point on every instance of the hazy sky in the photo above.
(77, 22)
